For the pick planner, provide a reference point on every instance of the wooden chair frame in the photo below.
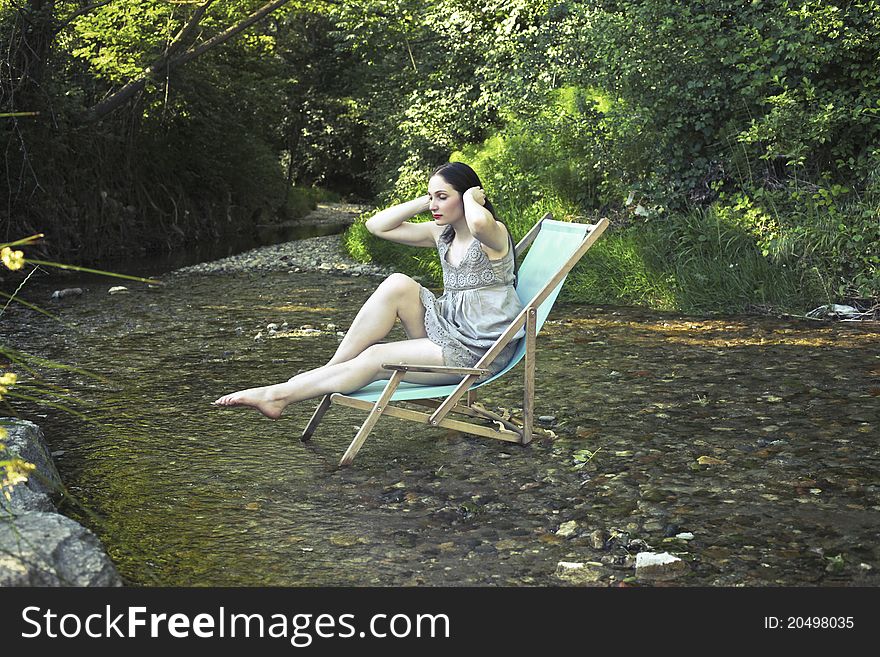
(506, 430)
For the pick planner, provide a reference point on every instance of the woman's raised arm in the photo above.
(482, 223)
(391, 224)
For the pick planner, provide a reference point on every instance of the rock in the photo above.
(118, 289)
(26, 441)
(272, 327)
(653, 495)
(567, 529)
(67, 292)
(38, 546)
(658, 566)
(579, 573)
(546, 419)
(22, 500)
(597, 539)
(670, 530)
(710, 460)
(47, 549)
(346, 540)
(685, 536)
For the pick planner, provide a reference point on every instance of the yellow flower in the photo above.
(12, 259)
(14, 471)
(7, 379)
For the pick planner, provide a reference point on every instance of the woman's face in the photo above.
(445, 203)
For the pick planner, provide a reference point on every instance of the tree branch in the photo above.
(169, 61)
(185, 34)
(228, 34)
(78, 13)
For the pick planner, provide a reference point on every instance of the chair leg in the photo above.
(372, 418)
(529, 383)
(316, 418)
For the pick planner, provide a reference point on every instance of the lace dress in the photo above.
(478, 303)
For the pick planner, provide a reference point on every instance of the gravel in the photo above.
(313, 254)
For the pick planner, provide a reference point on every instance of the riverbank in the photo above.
(321, 254)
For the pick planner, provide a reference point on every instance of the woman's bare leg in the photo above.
(397, 296)
(343, 377)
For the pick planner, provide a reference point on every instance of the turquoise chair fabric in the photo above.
(556, 243)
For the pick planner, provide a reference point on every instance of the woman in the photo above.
(479, 300)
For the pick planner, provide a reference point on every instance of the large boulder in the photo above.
(25, 440)
(48, 549)
(39, 546)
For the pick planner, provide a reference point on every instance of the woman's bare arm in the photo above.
(481, 223)
(391, 224)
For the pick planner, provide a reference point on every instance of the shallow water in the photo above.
(756, 435)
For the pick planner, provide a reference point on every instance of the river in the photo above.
(746, 446)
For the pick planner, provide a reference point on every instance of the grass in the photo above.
(696, 262)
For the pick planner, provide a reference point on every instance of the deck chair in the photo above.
(556, 247)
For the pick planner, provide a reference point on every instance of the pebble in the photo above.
(67, 292)
(576, 572)
(324, 254)
(637, 544)
(658, 566)
(547, 419)
(567, 529)
(653, 495)
(118, 289)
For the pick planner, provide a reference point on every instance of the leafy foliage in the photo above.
(763, 114)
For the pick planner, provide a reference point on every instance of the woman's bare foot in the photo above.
(263, 399)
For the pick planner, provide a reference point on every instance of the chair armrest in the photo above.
(436, 369)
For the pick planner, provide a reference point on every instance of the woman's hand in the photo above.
(391, 223)
(425, 203)
(475, 194)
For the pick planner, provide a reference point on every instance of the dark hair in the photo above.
(461, 177)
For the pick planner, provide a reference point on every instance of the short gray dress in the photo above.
(478, 303)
